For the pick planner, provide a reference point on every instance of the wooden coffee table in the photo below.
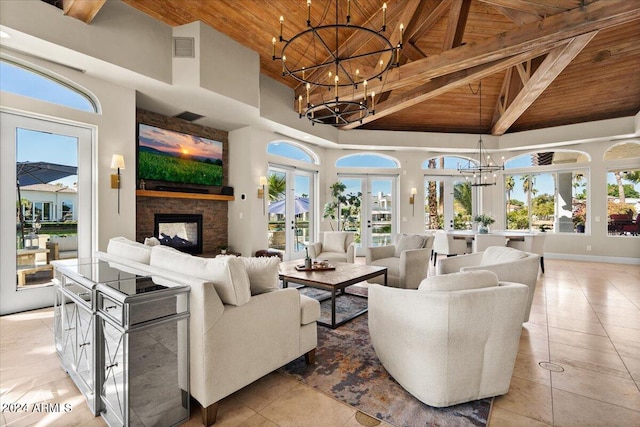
(344, 275)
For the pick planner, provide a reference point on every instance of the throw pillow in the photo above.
(129, 249)
(263, 273)
(460, 281)
(228, 274)
(408, 242)
(500, 254)
(151, 241)
(334, 242)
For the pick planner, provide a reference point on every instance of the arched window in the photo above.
(367, 160)
(291, 151)
(444, 162)
(21, 80)
(624, 150)
(547, 158)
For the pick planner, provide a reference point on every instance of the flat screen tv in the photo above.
(166, 155)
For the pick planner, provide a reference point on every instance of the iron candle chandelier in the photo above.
(484, 166)
(338, 55)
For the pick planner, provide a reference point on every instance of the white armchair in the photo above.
(531, 243)
(407, 260)
(511, 265)
(334, 246)
(453, 340)
(445, 244)
(483, 241)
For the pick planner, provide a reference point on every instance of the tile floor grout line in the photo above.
(546, 314)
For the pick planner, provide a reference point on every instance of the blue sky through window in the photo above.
(36, 146)
(365, 160)
(289, 151)
(24, 82)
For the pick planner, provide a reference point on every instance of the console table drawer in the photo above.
(111, 308)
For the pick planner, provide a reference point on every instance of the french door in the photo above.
(371, 211)
(46, 202)
(448, 203)
(291, 210)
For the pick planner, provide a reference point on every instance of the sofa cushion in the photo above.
(228, 274)
(309, 310)
(334, 242)
(333, 256)
(132, 250)
(263, 273)
(409, 242)
(500, 254)
(460, 281)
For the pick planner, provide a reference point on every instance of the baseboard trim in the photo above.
(593, 258)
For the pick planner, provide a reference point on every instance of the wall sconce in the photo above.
(263, 184)
(412, 199)
(117, 162)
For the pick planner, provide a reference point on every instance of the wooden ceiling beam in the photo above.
(424, 26)
(458, 15)
(544, 34)
(541, 10)
(443, 84)
(518, 16)
(84, 10)
(556, 61)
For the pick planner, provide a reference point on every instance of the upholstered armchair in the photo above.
(334, 246)
(453, 340)
(531, 243)
(407, 260)
(510, 265)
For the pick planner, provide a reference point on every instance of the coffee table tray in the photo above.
(315, 268)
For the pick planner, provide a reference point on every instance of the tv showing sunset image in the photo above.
(165, 155)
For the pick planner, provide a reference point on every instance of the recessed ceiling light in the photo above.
(4, 35)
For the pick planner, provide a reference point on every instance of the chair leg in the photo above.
(310, 357)
(435, 257)
(542, 264)
(209, 414)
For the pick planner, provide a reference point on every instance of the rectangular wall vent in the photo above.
(188, 116)
(184, 47)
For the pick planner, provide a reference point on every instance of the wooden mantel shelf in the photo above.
(178, 195)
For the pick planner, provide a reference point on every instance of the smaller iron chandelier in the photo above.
(338, 55)
(484, 170)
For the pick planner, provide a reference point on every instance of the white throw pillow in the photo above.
(409, 242)
(228, 274)
(129, 249)
(460, 281)
(500, 254)
(263, 273)
(334, 242)
(151, 241)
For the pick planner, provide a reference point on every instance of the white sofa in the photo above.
(511, 265)
(407, 260)
(334, 246)
(454, 339)
(242, 326)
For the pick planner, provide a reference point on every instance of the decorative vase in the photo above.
(483, 229)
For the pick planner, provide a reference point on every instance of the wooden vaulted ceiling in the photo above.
(542, 63)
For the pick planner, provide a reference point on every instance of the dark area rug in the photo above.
(348, 369)
(346, 305)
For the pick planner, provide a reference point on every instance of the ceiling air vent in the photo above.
(188, 116)
(184, 47)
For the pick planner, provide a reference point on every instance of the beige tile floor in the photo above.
(585, 320)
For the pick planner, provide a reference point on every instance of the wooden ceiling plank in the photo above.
(556, 61)
(595, 16)
(443, 84)
(433, 17)
(541, 10)
(84, 10)
(518, 16)
(397, 37)
(458, 15)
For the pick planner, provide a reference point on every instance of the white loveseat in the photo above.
(241, 326)
(453, 340)
(511, 265)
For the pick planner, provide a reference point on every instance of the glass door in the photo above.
(369, 210)
(448, 204)
(46, 205)
(291, 210)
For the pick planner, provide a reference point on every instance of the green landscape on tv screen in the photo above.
(165, 155)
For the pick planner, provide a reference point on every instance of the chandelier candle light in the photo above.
(336, 56)
(484, 167)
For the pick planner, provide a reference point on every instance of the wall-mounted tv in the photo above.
(166, 155)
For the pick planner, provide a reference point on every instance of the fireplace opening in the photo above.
(180, 231)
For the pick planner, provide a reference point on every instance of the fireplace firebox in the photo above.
(180, 231)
